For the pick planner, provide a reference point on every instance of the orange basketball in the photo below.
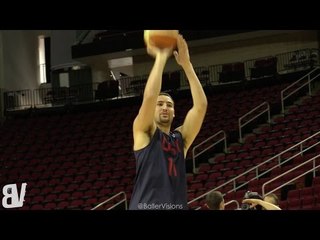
(161, 38)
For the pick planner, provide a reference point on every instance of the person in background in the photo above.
(215, 201)
(269, 202)
(272, 198)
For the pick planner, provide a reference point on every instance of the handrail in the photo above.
(67, 65)
(109, 199)
(233, 201)
(295, 83)
(233, 180)
(207, 148)
(251, 119)
(227, 203)
(290, 170)
(279, 160)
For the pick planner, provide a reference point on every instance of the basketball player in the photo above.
(160, 182)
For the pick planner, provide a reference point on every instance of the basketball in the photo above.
(161, 38)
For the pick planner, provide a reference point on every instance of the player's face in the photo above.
(164, 110)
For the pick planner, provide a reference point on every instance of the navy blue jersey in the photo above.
(160, 182)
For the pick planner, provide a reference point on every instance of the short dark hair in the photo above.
(214, 199)
(166, 94)
(253, 195)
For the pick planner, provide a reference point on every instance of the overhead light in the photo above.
(76, 67)
(120, 62)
